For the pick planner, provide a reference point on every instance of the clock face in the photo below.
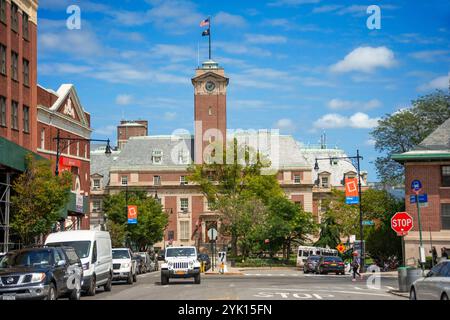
(210, 86)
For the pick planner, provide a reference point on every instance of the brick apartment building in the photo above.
(158, 165)
(429, 162)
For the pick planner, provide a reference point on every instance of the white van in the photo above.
(95, 252)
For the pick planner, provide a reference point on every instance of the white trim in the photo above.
(63, 154)
(58, 122)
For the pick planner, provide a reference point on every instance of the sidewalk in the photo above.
(399, 293)
(231, 272)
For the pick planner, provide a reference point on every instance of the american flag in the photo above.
(204, 23)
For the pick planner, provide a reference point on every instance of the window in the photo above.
(2, 111)
(210, 111)
(3, 11)
(14, 115)
(14, 17)
(446, 176)
(157, 180)
(184, 204)
(43, 139)
(26, 119)
(2, 59)
(182, 157)
(68, 147)
(124, 180)
(157, 157)
(96, 206)
(170, 235)
(324, 182)
(26, 72)
(210, 178)
(78, 148)
(299, 204)
(297, 179)
(183, 181)
(97, 183)
(14, 66)
(445, 216)
(25, 26)
(184, 230)
(94, 253)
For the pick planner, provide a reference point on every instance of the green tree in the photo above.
(152, 220)
(403, 130)
(38, 198)
(330, 234)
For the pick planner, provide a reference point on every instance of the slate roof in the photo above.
(101, 163)
(438, 140)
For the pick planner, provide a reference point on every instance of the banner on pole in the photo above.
(132, 214)
(351, 191)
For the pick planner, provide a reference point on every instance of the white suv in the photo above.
(180, 262)
(124, 265)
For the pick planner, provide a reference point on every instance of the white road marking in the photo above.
(328, 290)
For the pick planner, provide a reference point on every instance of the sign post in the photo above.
(416, 187)
(212, 235)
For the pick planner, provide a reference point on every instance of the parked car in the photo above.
(147, 264)
(311, 264)
(161, 255)
(2, 255)
(94, 250)
(330, 264)
(41, 273)
(124, 265)
(203, 257)
(140, 264)
(435, 286)
(154, 261)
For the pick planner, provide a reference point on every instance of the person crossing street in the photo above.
(355, 266)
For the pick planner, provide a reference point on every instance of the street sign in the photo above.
(357, 246)
(132, 214)
(351, 191)
(368, 223)
(423, 198)
(212, 234)
(402, 223)
(341, 248)
(416, 186)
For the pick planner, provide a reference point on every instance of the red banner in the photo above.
(132, 214)
(68, 162)
(351, 191)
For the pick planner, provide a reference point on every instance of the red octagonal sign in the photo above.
(402, 223)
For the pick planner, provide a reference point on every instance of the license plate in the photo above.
(180, 272)
(333, 264)
(9, 297)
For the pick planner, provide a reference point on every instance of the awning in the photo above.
(13, 156)
(76, 205)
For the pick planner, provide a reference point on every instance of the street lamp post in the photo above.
(361, 230)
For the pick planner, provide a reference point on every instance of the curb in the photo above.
(399, 293)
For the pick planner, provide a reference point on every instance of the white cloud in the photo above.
(124, 99)
(227, 19)
(441, 83)
(326, 8)
(291, 3)
(265, 39)
(365, 59)
(370, 142)
(170, 116)
(106, 131)
(358, 121)
(431, 55)
(339, 104)
(286, 125)
(175, 53)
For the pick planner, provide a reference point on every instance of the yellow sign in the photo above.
(341, 248)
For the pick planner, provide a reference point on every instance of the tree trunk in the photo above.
(234, 248)
(288, 256)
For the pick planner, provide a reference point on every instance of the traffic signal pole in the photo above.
(421, 249)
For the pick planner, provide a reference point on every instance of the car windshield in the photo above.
(332, 259)
(121, 254)
(39, 258)
(82, 248)
(180, 252)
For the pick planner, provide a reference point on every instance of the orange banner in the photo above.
(132, 214)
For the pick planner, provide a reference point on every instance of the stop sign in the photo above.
(402, 223)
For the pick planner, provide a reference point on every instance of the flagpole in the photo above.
(210, 38)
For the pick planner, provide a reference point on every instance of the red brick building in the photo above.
(429, 162)
(62, 111)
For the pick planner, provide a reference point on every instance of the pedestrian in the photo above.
(434, 255)
(355, 266)
(444, 253)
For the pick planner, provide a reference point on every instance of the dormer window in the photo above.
(157, 156)
(325, 182)
(183, 157)
(96, 183)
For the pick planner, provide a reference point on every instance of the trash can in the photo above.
(412, 274)
(402, 276)
(233, 263)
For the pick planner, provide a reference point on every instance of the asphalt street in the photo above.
(289, 284)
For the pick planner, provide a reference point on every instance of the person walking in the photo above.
(444, 253)
(434, 255)
(355, 266)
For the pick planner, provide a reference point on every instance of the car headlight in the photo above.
(170, 264)
(86, 266)
(37, 277)
(126, 265)
(191, 264)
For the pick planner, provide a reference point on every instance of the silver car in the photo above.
(435, 286)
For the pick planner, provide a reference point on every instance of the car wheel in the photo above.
(75, 294)
(305, 271)
(135, 277)
(164, 280)
(197, 279)
(130, 278)
(412, 294)
(51, 292)
(444, 297)
(108, 285)
(92, 287)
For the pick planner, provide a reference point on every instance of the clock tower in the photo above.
(210, 108)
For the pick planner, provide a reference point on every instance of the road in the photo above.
(288, 284)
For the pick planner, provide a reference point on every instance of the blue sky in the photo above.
(303, 66)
